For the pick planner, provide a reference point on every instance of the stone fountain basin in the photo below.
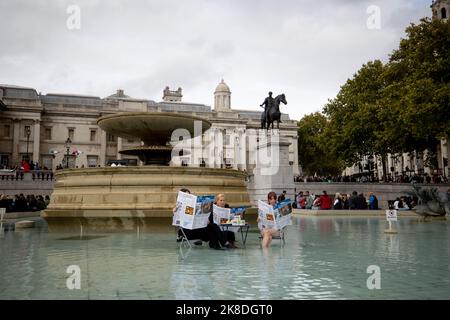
(130, 198)
(154, 128)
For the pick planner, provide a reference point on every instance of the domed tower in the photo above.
(222, 97)
(441, 9)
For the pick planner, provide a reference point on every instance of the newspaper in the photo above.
(283, 213)
(221, 215)
(276, 217)
(192, 212)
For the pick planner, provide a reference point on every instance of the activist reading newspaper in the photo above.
(221, 215)
(192, 212)
(276, 217)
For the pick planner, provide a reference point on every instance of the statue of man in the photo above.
(268, 102)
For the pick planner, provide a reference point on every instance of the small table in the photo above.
(242, 228)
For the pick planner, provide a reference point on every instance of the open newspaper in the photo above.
(221, 215)
(276, 217)
(192, 212)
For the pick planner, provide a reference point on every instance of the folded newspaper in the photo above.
(192, 212)
(276, 217)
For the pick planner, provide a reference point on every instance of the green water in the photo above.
(324, 258)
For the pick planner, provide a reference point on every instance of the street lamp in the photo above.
(67, 145)
(28, 132)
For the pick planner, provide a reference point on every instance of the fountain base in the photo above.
(130, 198)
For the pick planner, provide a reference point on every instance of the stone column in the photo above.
(119, 147)
(218, 147)
(36, 140)
(16, 136)
(242, 151)
(295, 165)
(102, 148)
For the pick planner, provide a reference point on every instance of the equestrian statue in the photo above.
(272, 111)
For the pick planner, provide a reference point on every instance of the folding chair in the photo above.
(183, 239)
(281, 237)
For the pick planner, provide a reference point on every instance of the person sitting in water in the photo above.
(266, 233)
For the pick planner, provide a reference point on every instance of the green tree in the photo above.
(314, 157)
(418, 90)
(357, 117)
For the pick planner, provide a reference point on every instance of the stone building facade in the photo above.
(36, 127)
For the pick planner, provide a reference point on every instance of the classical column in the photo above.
(295, 147)
(218, 147)
(102, 148)
(36, 140)
(119, 147)
(16, 135)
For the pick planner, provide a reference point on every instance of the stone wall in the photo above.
(383, 191)
(26, 186)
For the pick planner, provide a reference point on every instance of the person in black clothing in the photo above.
(211, 233)
(345, 204)
(361, 203)
(353, 200)
(228, 235)
(282, 196)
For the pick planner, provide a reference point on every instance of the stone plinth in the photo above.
(273, 171)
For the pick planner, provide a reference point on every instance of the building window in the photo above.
(92, 161)
(47, 162)
(443, 13)
(110, 138)
(6, 130)
(71, 134)
(48, 134)
(26, 130)
(93, 135)
(4, 160)
(227, 140)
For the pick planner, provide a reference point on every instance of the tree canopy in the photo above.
(400, 106)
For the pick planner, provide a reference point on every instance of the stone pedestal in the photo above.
(273, 171)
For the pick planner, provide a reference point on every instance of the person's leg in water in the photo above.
(231, 239)
(216, 237)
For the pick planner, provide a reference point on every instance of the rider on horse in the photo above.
(268, 102)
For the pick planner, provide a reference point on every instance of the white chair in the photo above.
(280, 237)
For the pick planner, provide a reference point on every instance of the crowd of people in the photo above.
(342, 201)
(415, 178)
(21, 203)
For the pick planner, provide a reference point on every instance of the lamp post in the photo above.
(67, 145)
(28, 132)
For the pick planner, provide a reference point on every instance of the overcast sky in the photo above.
(304, 48)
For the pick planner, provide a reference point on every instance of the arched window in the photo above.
(443, 13)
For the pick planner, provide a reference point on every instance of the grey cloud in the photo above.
(306, 49)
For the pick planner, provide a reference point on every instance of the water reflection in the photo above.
(324, 258)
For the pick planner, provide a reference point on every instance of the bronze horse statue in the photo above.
(273, 113)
